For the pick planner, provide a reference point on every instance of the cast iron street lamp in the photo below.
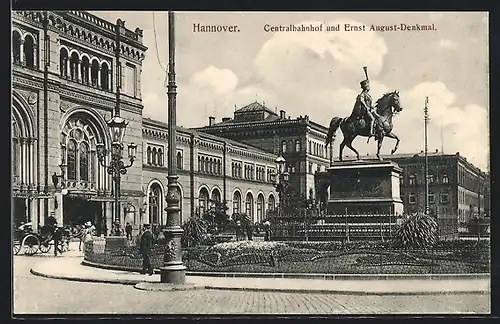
(173, 270)
(116, 167)
(281, 181)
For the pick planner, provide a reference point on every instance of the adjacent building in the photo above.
(299, 140)
(71, 71)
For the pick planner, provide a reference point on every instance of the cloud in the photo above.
(313, 56)
(318, 74)
(220, 80)
(447, 44)
(465, 127)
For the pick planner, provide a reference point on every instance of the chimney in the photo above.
(211, 120)
(282, 114)
(225, 119)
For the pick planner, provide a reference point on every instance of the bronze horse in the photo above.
(354, 125)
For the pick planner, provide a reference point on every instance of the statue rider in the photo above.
(364, 102)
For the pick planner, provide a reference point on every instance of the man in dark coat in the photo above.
(145, 250)
(128, 230)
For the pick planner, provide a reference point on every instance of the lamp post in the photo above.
(173, 270)
(281, 181)
(116, 167)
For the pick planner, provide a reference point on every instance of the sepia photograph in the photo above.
(237, 163)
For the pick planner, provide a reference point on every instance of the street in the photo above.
(38, 295)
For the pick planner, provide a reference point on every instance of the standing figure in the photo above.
(128, 230)
(145, 250)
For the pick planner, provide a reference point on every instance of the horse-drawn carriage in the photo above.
(25, 238)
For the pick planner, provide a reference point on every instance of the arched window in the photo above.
(155, 156)
(155, 201)
(219, 167)
(297, 145)
(236, 202)
(216, 195)
(80, 151)
(71, 159)
(200, 166)
(29, 51)
(179, 161)
(104, 77)
(94, 73)
(260, 208)
(430, 177)
(16, 47)
(73, 63)
(283, 146)
(84, 70)
(412, 179)
(149, 155)
(203, 201)
(160, 157)
(271, 203)
(445, 178)
(249, 206)
(84, 161)
(63, 62)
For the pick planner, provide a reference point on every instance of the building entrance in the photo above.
(78, 211)
(19, 211)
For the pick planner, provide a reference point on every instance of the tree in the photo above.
(216, 215)
(418, 231)
(195, 229)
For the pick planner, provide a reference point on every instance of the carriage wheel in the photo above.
(16, 247)
(45, 247)
(31, 244)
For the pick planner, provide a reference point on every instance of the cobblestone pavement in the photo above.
(34, 294)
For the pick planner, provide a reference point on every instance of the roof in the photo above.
(208, 136)
(254, 106)
(269, 118)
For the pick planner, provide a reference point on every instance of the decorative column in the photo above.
(78, 65)
(35, 55)
(21, 52)
(99, 77)
(21, 162)
(110, 85)
(29, 158)
(89, 75)
(68, 68)
(173, 271)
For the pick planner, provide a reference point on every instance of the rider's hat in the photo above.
(364, 83)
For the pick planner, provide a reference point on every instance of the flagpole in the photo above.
(426, 163)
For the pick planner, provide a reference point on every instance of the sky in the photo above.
(318, 73)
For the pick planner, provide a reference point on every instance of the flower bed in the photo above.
(308, 257)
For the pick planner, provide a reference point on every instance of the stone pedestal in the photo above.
(364, 187)
(113, 242)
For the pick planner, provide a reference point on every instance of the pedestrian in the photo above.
(128, 230)
(145, 250)
(57, 236)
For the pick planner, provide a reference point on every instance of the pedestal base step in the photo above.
(159, 286)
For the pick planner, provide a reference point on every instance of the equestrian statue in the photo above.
(367, 120)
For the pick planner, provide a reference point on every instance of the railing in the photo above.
(349, 227)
